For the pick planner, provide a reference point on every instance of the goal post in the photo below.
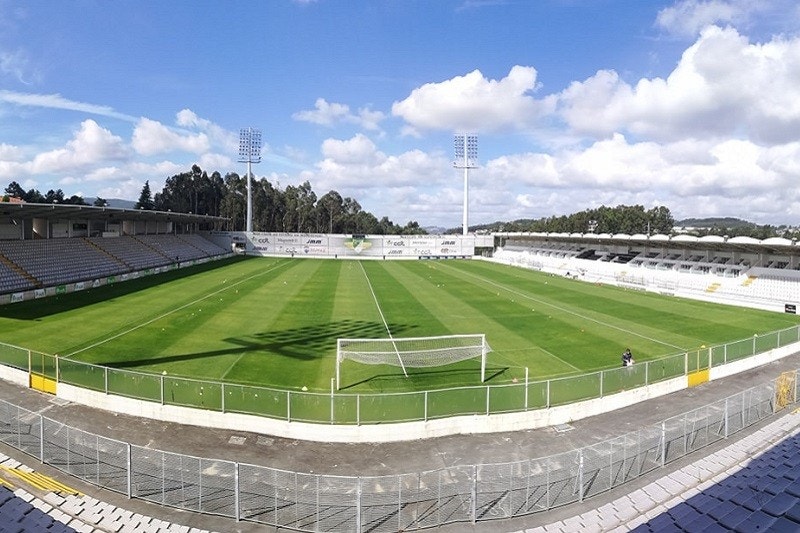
(412, 352)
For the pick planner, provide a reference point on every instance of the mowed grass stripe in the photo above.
(274, 322)
(465, 307)
(620, 317)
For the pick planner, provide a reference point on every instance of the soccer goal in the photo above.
(412, 352)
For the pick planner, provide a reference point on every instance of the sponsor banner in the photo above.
(17, 297)
(124, 277)
(96, 283)
(394, 242)
(80, 286)
(790, 308)
(39, 293)
(61, 289)
(111, 279)
(359, 245)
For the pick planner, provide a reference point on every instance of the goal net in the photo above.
(412, 352)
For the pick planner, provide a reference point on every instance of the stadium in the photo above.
(362, 339)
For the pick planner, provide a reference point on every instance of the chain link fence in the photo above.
(401, 502)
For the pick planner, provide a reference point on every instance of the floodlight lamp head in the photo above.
(249, 145)
(466, 151)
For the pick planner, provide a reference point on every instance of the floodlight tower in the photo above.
(466, 149)
(249, 152)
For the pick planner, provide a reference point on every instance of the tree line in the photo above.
(299, 209)
(289, 209)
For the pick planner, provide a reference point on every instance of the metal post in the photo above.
(161, 380)
(547, 404)
(726, 418)
(426, 406)
(601, 383)
(288, 406)
(358, 409)
(487, 400)
(358, 505)
(222, 393)
(580, 475)
(236, 503)
(41, 439)
(474, 495)
(526, 388)
(130, 468)
(105, 379)
(663, 444)
(332, 385)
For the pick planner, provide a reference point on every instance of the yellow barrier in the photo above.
(43, 383)
(40, 481)
(698, 378)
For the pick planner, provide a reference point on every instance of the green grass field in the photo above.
(274, 322)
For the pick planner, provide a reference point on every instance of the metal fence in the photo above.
(381, 408)
(399, 502)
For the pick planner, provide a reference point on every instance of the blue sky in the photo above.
(692, 104)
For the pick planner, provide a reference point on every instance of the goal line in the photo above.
(412, 352)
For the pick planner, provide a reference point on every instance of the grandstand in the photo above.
(47, 246)
(738, 271)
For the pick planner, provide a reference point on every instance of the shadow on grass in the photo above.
(305, 343)
(39, 308)
(429, 379)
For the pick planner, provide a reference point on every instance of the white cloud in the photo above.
(15, 63)
(722, 86)
(56, 101)
(688, 17)
(474, 103)
(151, 137)
(330, 113)
(91, 144)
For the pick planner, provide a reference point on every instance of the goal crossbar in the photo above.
(412, 352)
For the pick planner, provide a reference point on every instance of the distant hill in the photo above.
(714, 222)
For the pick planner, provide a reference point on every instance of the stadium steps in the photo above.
(19, 270)
(107, 253)
(151, 247)
(748, 281)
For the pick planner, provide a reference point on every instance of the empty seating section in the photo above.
(172, 247)
(30, 264)
(132, 252)
(11, 280)
(58, 261)
(17, 515)
(715, 273)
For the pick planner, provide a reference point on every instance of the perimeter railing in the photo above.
(396, 502)
(381, 408)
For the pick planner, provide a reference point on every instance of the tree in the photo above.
(16, 190)
(99, 202)
(145, 198)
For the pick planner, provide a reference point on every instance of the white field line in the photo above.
(566, 310)
(380, 312)
(184, 306)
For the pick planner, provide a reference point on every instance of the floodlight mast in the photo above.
(466, 157)
(249, 152)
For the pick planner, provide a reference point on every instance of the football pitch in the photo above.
(274, 322)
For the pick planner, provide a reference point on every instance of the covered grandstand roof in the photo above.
(27, 211)
(774, 245)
